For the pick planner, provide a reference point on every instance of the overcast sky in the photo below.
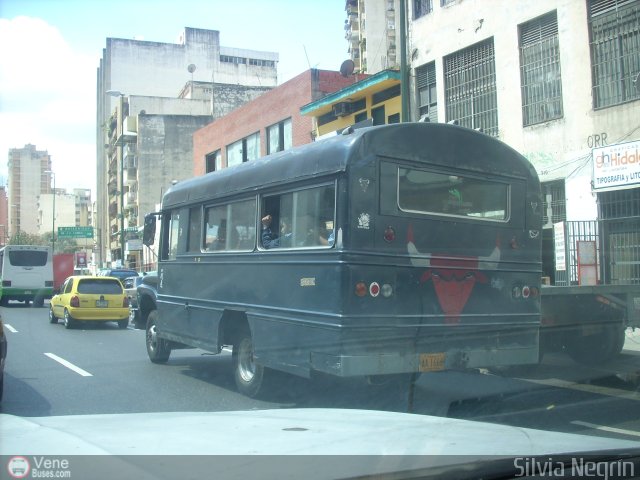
(50, 51)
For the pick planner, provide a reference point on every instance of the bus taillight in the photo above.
(387, 290)
(361, 289)
(524, 291)
(389, 235)
(374, 289)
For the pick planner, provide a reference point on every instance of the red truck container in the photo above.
(63, 264)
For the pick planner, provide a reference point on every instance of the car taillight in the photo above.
(75, 301)
(125, 302)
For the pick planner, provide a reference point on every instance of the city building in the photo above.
(66, 210)
(4, 216)
(29, 177)
(270, 123)
(372, 32)
(167, 91)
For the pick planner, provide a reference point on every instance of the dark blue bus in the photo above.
(389, 250)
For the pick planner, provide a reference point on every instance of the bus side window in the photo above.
(195, 220)
(171, 234)
(300, 219)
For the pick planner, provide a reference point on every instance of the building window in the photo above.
(279, 136)
(378, 116)
(614, 28)
(553, 196)
(243, 150)
(470, 87)
(541, 82)
(444, 3)
(426, 86)
(213, 161)
(421, 8)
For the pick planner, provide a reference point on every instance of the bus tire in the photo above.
(595, 348)
(38, 302)
(248, 375)
(52, 317)
(69, 322)
(158, 349)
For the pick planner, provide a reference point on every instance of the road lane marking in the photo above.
(583, 387)
(604, 428)
(69, 365)
(10, 328)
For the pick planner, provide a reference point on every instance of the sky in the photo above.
(51, 49)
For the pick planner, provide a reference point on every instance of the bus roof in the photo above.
(433, 143)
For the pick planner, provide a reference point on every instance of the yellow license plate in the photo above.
(432, 362)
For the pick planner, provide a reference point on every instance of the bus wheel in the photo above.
(247, 373)
(38, 302)
(157, 348)
(69, 322)
(595, 348)
(52, 317)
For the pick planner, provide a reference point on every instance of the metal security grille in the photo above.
(421, 8)
(614, 27)
(553, 195)
(540, 70)
(470, 87)
(426, 86)
(619, 204)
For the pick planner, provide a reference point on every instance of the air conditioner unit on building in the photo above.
(342, 109)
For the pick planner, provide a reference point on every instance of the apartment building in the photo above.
(29, 177)
(168, 91)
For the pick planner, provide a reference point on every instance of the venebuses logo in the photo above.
(18, 467)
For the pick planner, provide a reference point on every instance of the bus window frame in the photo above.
(465, 174)
(333, 182)
(227, 203)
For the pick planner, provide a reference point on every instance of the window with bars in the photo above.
(421, 8)
(426, 87)
(553, 196)
(614, 28)
(619, 204)
(470, 87)
(540, 77)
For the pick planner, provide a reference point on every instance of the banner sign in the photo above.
(616, 167)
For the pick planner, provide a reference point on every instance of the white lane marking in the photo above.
(582, 387)
(10, 328)
(604, 428)
(69, 365)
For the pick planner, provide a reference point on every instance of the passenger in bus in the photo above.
(271, 239)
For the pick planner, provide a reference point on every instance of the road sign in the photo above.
(75, 232)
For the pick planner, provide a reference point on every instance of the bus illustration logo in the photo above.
(18, 467)
(453, 277)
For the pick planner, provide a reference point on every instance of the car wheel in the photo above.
(122, 324)
(52, 317)
(69, 322)
(158, 349)
(248, 375)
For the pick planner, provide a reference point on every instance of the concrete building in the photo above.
(4, 216)
(71, 209)
(372, 31)
(149, 78)
(268, 124)
(28, 179)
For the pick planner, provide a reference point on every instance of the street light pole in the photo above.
(120, 143)
(53, 226)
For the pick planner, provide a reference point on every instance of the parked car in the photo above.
(131, 289)
(146, 299)
(119, 273)
(3, 355)
(87, 298)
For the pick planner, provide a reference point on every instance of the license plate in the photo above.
(28, 292)
(102, 303)
(432, 362)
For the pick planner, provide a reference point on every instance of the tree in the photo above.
(24, 238)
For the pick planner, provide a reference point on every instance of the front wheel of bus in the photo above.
(247, 373)
(157, 348)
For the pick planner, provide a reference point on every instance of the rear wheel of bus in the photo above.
(248, 375)
(158, 349)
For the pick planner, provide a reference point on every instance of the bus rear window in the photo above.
(28, 258)
(422, 191)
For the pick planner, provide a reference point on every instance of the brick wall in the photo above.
(268, 109)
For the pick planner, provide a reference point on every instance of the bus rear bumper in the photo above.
(393, 363)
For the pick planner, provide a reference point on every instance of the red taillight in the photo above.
(374, 289)
(361, 289)
(526, 291)
(125, 302)
(75, 301)
(389, 234)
